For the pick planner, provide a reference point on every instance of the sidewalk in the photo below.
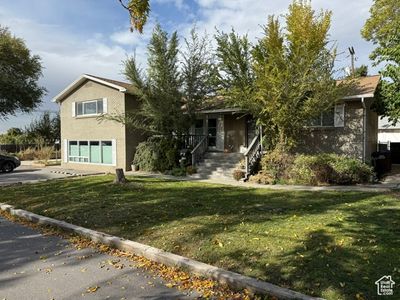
(386, 186)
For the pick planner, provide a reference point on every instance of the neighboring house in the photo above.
(389, 138)
(87, 142)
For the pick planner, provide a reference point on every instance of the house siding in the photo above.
(347, 140)
(85, 128)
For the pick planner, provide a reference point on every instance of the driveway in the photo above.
(34, 266)
(25, 174)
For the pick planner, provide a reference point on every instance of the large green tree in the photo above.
(173, 87)
(383, 29)
(19, 75)
(235, 69)
(197, 72)
(45, 129)
(289, 77)
(158, 89)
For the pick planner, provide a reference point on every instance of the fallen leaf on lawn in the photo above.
(342, 284)
(92, 289)
(360, 296)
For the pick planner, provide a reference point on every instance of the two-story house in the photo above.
(88, 142)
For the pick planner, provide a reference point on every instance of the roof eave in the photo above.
(358, 96)
(80, 80)
(221, 110)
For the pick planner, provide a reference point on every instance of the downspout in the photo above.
(364, 128)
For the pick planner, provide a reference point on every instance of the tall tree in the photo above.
(20, 72)
(294, 71)
(361, 71)
(197, 72)
(382, 28)
(290, 77)
(158, 88)
(46, 128)
(235, 69)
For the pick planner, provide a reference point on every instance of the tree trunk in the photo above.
(120, 176)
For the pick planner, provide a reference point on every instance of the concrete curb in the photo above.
(233, 280)
(76, 174)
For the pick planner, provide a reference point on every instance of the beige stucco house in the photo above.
(88, 142)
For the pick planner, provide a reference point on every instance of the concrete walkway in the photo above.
(385, 186)
(34, 266)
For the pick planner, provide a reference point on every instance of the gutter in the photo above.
(364, 128)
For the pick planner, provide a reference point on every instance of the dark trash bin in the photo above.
(382, 162)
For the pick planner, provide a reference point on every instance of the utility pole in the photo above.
(352, 54)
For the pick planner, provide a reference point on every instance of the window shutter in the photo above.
(105, 106)
(73, 109)
(114, 152)
(339, 115)
(65, 151)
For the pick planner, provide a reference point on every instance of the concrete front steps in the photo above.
(218, 165)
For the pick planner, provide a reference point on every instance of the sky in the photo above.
(92, 36)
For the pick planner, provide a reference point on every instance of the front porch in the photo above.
(229, 132)
(225, 131)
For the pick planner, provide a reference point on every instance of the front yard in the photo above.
(329, 244)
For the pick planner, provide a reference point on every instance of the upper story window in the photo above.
(89, 108)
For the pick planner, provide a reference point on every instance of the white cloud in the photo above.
(247, 17)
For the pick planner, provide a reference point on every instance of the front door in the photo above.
(212, 133)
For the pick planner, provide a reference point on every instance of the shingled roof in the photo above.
(363, 87)
(115, 82)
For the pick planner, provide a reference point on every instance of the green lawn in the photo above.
(330, 244)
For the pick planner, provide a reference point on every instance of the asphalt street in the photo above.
(35, 267)
(25, 174)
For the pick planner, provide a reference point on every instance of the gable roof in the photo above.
(118, 85)
(364, 87)
(126, 85)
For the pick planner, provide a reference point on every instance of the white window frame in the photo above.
(114, 152)
(335, 118)
(75, 108)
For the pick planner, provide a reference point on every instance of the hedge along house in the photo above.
(349, 128)
(87, 142)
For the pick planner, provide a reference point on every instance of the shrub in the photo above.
(329, 168)
(276, 163)
(311, 169)
(27, 154)
(44, 153)
(156, 154)
(238, 174)
(262, 178)
(349, 171)
(178, 172)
